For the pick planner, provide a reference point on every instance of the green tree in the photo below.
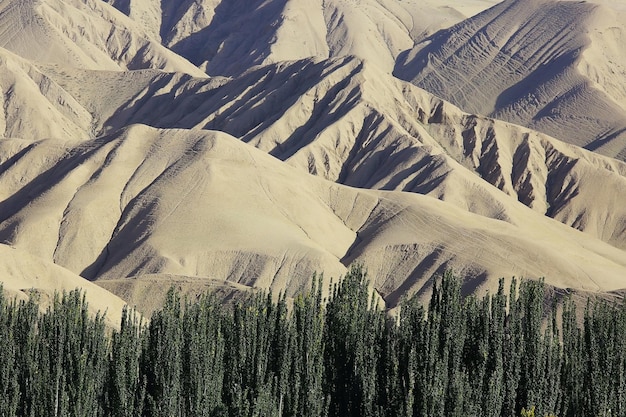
(162, 360)
(307, 355)
(203, 357)
(9, 386)
(353, 332)
(126, 388)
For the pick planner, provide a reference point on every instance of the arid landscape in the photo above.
(245, 144)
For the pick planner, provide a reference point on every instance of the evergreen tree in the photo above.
(412, 352)
(532, 371)
(126, 387)
(162, 360)
(307, 370)
(203, 358)
(65, 361)
(512, 353)
(9, 386)
(551, 395)
(352, 347)
(460, 356)
(572, 372)
(28, 368)
(493, 380)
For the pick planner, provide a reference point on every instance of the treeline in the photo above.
(458, 356)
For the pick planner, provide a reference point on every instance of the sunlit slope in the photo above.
(23, 275)
(122, 162)
(228, 37)
(36, 107)
(351, 123)
(554, 66)
(202, 204)
(82, 33)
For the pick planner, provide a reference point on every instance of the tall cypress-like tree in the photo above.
(476, 351)
(203, 358)
(532, 370)
(9, 386)
(126, 388)
(512, 353)
(26, 341)
(551, 395)
(86, 361)
(460, 356)
(412, 351)
(493, 380)
(452, 336)
(63, 358)
(572, 370)
(619, 368)
(352, 334)
(307, 369)
(162, 360)
(390, 395)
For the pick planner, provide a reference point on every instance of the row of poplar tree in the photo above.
(458, 356)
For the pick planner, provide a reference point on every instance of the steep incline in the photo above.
(35, 106)
(124, 163)
(203, 205)
(23, 275)
(554, 66)
(351, 123)
(82, 33)
(228, 37)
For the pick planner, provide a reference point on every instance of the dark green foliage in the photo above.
(9, 386)
(500, 355)
(352, 336)
(126, 384)
(59, 359)
(163, 360)
(203, 353)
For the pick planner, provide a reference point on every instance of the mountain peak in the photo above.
(237, 145)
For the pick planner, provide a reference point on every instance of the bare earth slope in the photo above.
(202, 204)
(82, 33)
(554, 66)
(124, 164)
(22, 273)
(351, 123)
(227, 37)
(34, 106)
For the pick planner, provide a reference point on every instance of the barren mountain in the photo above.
(203, 204)
(82, 33)
(227, 37)
(554, 66)
(123, 163)
(351, 123)
(24, 274)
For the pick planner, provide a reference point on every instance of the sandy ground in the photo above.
(268, 144)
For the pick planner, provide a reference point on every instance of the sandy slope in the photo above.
(22, 273)
(227, 37)
(88, 190)
(149, 291)
(554, 66)
(82, 33)
(34, 106)
(202, 204)
(351, 123)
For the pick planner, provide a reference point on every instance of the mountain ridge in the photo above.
(342, 128)
(541, 64)
(146, 225)
(136, 169)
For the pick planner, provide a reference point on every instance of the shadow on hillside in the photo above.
(245, 106)
(237, 38)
